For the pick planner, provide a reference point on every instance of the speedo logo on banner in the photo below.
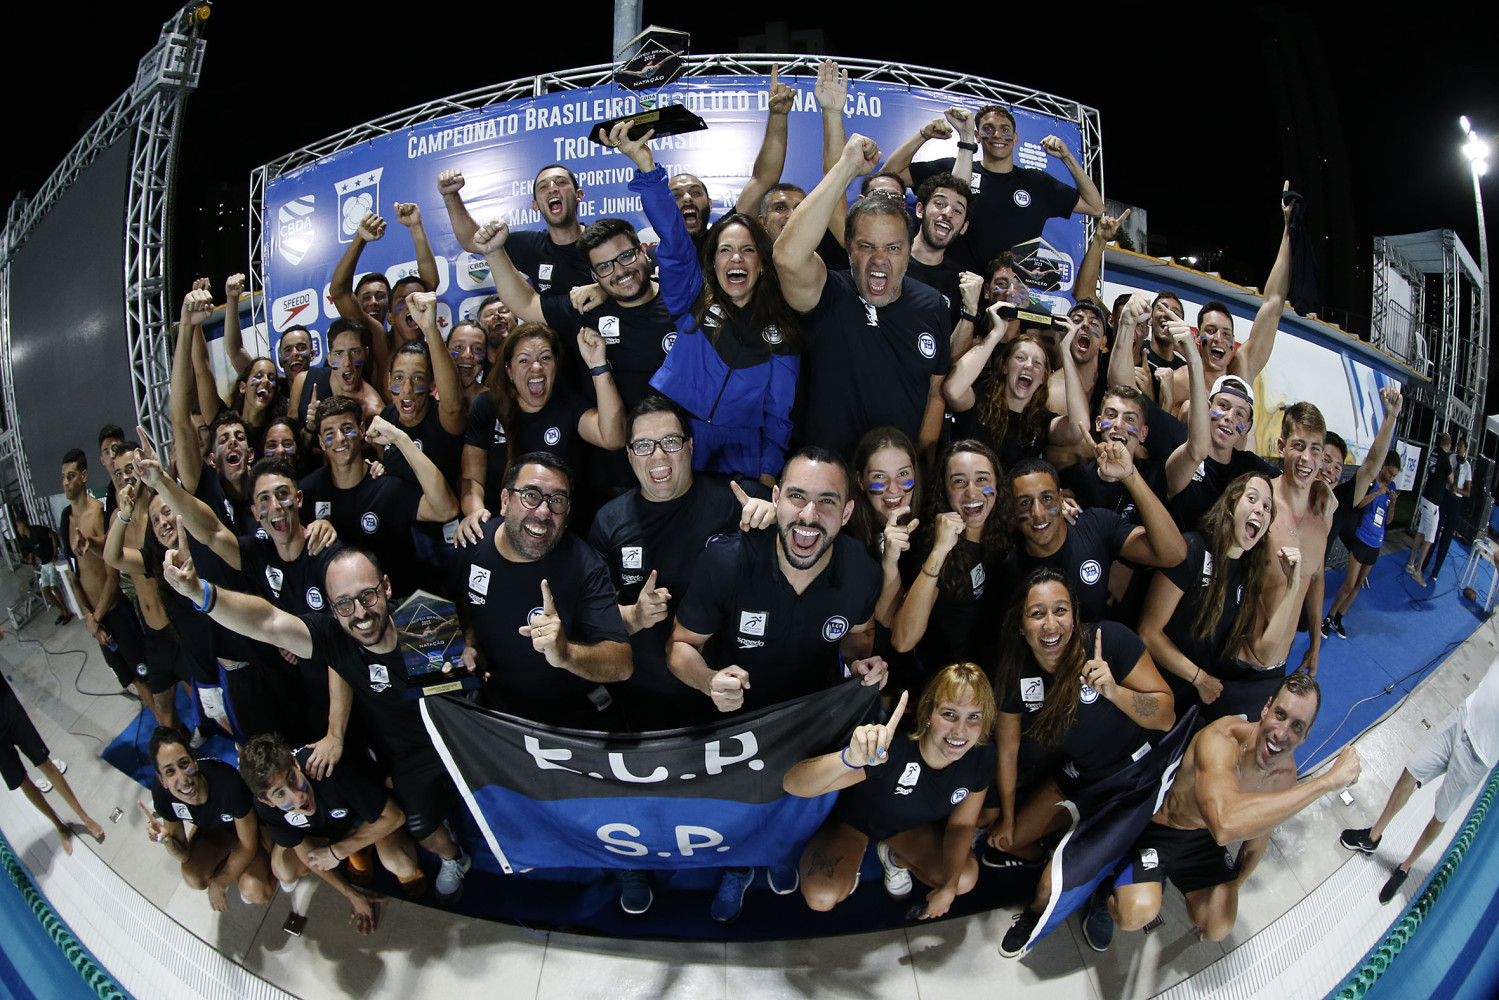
(294, 229)
(357, 197)
(298, 307)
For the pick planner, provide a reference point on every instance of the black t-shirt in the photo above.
(637, 536)
(444, 449)
(962, 626)
(1154, 360)
(944, 278)
(504, 595)
(391, 722)
(229, 798)
(906, 792)
(1436, 486)
(1193, 577)
(551, 268)
(376, 514)
(1092, 545)
(340, 802)
(1005, 209)
(1209, 482)
(43, 544)
(868, 366)
(553, 429)
(1017, 442)
(637, 339)
(196, 632)
(295, 587)
(1102, 739)
(787, 643)
(238, 518)
(1091, 491)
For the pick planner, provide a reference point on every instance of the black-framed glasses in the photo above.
(646, 447)
(604, 268)
(366, 598)
(531, 498)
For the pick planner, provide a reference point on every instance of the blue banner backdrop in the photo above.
(312, 213)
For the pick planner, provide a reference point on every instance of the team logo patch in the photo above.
(1228, 860)
(1033, 692)
(337, 813)
(1022, 197)
(544, 272)
(631, 557)
(772, 335)
(910, 775)
(274, 577)
(532, 615)
(1090, 572)
(834, 628)
(1149, 859)
(181, 811)
(958, 795)
(609, 329)
(323, 508)
(478, 579)
(226, 817)
(357, 197)
(927, 344)
(379, 677)
(369, 522)
(668, 342)
(260, 533)
(552, 436)
(314, 599)
(752, 622)
(1087, 695)
(140, 670)
(977, 578)
(294, 229)
(296, 819)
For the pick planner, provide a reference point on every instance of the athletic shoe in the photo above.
(897, 879)
(42, 784)
(1326, 627)
(1017, 938)
(993, 857)
(1098, 926)
(635, 896)
(1420, 580)
(449, 885)
(1397, 879)
(61, 765)
(196, 741)
(1359, 840)
(1337, 630)
(728, 901)
(784, 879)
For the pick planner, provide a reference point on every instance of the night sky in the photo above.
(1205, 110)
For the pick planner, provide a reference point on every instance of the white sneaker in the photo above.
(61, 765)
(897, 879)
(449, 884)
(42, 784)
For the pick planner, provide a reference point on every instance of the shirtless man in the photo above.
(1221, 354)
(1304, 509)
(107, 615)
(1237, 782)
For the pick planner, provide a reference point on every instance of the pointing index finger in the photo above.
(548, 606)
(775, 74)
(1098, 644)
(739, 493)
(144, 809)
(900, 708)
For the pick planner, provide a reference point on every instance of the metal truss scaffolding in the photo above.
(147, 111)
(959, 84)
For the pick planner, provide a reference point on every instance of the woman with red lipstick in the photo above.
(917, 795)
(949, 614)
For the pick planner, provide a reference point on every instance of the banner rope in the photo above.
(1382, 956)
(94, 974)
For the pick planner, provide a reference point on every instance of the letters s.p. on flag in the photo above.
(705, 797)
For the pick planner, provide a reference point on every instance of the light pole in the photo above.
(1476, 149)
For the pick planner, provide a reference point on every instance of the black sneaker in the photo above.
(1337, 629)
(1397, 879)
(1017, 938)
(1098, 926)
(1358, 840)
(993, 857)
(635, 896)
(1326, 627)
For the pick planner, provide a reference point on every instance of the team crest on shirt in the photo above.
(753, 622)
(337, 813)
(369, 522)
(296, 819)
(478, 579)
(552, 436)
(772, 335)
(835, 628)
(314, 599)
(274, 577)
(1022, 197)
(609, 329)
(1207, 568)
(908, 778)
(379, 677)
(631, 557)
(499, 433)
(181, 811)
(977, 578)
(226, 817)
(927, 345)
(323, 508)
(958, 795)
(1090, 572)
(533, 614)
(543, 272)
(1149, 859)
(260, 533)
(1087, 695)
(1033, 692)
(668, 342)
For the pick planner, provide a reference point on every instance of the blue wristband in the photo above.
(855, 767)
(206, 594)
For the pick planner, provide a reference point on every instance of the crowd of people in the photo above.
(798, 442)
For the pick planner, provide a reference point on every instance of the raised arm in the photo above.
(209, 400)
(1393, 402)
(116, 556)
(519, 297)
(409, 214)
(1282, 618)
(1069, 428)
(1132, 320)
(900, 158)
(1182, 464)
(771, 159)
(199, 518)
(1233, 814)
(449, 184)
(914, 613)
(1161, 602)
(957, 389)
(1090, 271)
(1141, 694)
(452, 413)
(961, 120)
(234, 346)
(603, 426)
(867, 747)
(1089, 201)
(1252, 357)
(678, 271)
(1158, 541)
(196, 307)
(438, 503)
(802, 272)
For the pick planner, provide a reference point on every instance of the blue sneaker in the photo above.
(635, 896)
(1098, 926)
(784, 878)
(728, 901)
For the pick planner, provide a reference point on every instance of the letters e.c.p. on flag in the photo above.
(705, 797)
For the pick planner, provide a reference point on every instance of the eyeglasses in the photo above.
(606, 267)
(646, 447)
(366, 598)
(531, 498)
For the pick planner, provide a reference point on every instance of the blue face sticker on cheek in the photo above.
(909, 484)
(986, 490)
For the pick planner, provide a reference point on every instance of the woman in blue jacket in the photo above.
(735, 362)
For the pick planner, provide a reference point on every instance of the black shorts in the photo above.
(163, 660)
(266, 697)
(17, 733)
(128, 658)
(423, 788)
(1189, 859)
(1366, 554)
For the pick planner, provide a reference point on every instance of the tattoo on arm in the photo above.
(1146, 704)
(822, 863)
